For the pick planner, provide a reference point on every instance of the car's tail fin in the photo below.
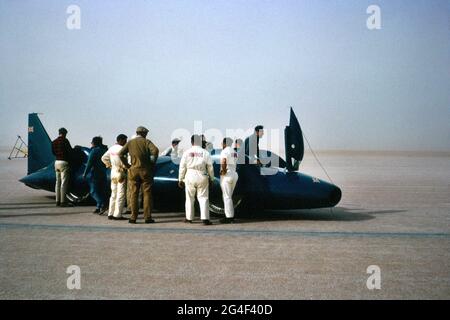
(293, 139)
(39, 145)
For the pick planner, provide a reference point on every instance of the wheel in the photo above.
(77, 198)
(217, 208)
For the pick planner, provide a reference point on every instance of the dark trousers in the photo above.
(97, 190)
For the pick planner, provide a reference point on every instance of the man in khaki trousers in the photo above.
(143, 161)
(62, 150)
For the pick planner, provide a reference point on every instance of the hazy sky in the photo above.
(231, 64)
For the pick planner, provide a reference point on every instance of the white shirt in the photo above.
(231, 157)
(196, 158)
(174, 152)
(111, 157)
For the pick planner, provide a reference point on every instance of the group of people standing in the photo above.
(133, 162)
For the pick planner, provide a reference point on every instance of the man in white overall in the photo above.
(112, 160)
(196, 170)
(228, 178)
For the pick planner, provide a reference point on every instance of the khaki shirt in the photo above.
(142, 151)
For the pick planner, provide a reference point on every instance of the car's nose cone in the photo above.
(30, 181)
(335, 196)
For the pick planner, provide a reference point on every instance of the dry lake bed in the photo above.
(394, 214)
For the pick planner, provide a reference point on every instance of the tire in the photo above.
(216, 206)
(77, 198)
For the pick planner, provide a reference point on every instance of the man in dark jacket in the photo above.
(252, 146)
(62, 151)
(95, 173)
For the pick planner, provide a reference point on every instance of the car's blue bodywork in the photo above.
(268, 187)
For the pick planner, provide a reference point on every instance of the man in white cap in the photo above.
(228, 178)
(196, 170)
(112, 160)
(173, 151)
